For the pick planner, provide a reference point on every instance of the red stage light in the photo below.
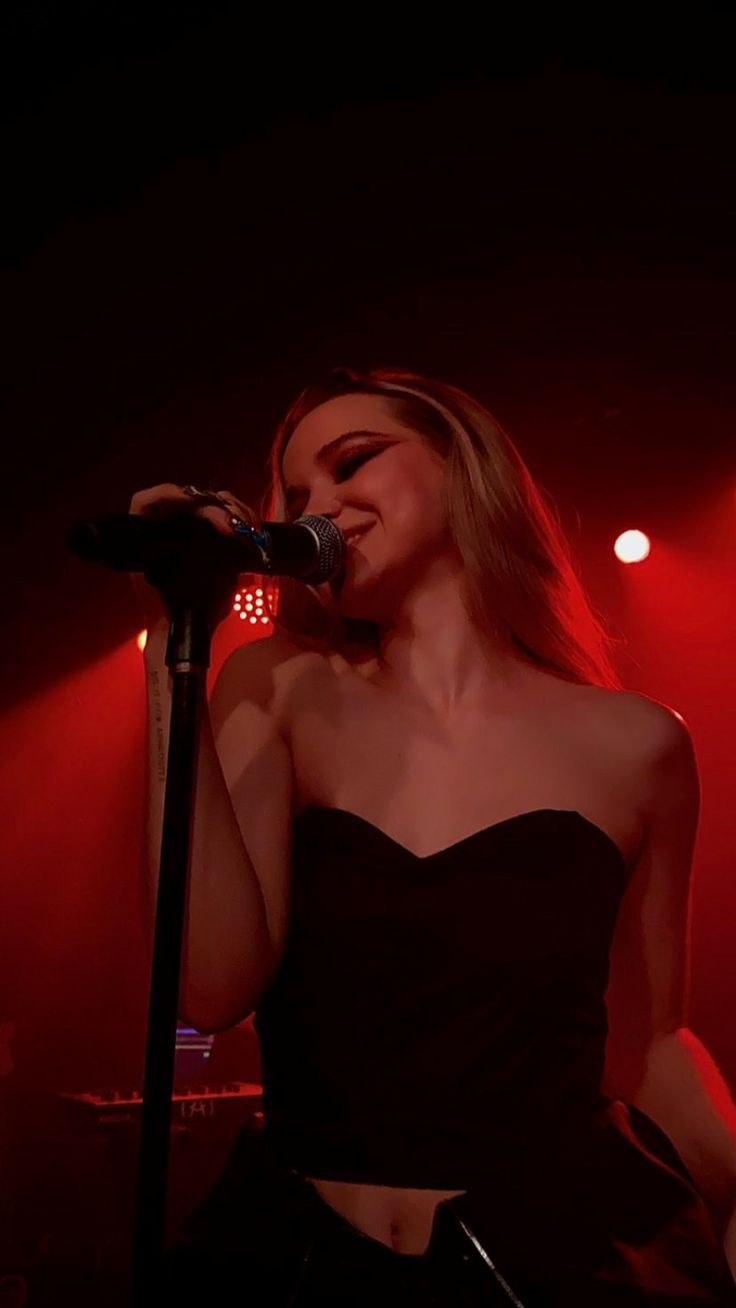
(255, 604)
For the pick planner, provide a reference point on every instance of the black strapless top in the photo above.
(433, 1017)
(440, 1023)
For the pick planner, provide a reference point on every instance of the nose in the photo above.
(323, 506)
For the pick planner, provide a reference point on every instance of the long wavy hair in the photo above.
(522, 585)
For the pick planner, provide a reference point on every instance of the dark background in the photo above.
(203, 206)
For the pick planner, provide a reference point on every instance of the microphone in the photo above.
(312, 548)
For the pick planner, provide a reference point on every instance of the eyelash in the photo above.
(357, 459)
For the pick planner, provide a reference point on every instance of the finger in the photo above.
(169, 498)
(238, 507)
(218, 515)
(201, 497)
(159, 499)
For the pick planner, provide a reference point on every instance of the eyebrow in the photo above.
(325, 454)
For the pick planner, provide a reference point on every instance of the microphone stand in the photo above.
(188, 658)
(193, 571)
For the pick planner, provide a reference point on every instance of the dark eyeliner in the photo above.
(359, 457)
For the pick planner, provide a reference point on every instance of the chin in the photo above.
(356, 611)
(354, 603)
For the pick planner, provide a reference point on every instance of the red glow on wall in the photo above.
(72, 802)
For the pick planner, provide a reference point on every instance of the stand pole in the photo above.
(187, 657)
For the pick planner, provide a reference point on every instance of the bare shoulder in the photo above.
(638, 733)
(260, 670)
(657, 730)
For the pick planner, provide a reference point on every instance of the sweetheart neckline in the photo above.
(473, 835)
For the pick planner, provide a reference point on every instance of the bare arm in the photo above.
(237, 907)
(237, 904)
(655, 1060)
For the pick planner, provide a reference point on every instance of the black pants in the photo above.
(264, 1238)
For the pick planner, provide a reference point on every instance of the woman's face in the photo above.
(353, 460)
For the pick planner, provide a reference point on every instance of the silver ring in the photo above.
(207, 497)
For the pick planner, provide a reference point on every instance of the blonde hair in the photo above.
(521, 583)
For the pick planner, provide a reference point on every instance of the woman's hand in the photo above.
(168, 501)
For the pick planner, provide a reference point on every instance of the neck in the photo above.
(433, 653)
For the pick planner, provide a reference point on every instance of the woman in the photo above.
(435, 847)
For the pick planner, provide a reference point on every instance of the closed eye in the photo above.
(343, 471)
(348, 466)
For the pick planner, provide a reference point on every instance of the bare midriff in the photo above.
(399, 1218)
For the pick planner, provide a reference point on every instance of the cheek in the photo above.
(422, 500)
(406, 495)
(410, 485)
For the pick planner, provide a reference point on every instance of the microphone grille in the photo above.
(331, 554)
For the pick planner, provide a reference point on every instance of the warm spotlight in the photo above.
(141, 640)
(631, 547)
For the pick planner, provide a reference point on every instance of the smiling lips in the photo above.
(353, 534)
(357, 533)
